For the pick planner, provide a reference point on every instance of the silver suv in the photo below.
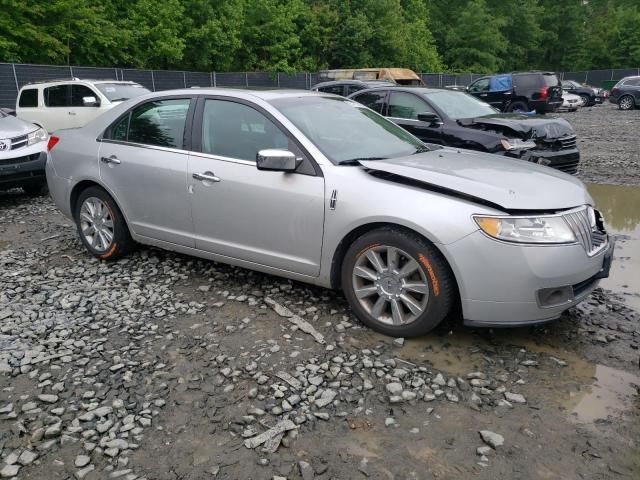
(72, 103)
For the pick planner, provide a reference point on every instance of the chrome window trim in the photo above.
(221, 158)
(143, 145)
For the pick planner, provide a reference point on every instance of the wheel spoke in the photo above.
(396, 312)
(376, 261)
(378, 307)
(366, 291)
(108, 236)
(88, 230)
(392, 258)
(410, 267)
(416, 287)
(411, 304)
(108, 223)
(364, 272)
(86, 217)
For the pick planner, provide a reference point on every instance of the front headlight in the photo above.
(527, 229)
(39, 135)
(517, 144)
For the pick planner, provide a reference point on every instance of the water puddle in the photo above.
(620, 206)
(611, 393)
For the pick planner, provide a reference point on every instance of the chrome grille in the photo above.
(556, 144)
(567, 143)
(19, 142)
(593, 239)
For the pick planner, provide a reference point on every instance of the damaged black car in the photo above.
(456, 119)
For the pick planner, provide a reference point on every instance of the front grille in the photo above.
(557, 144)
(16, 160)
(19, 142)
(592, 238)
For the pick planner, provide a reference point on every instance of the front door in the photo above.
(144, 161)
(403, 109)
(274, 219)
(80, 114)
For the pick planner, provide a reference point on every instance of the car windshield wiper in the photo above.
(119, 99)
(355, 161)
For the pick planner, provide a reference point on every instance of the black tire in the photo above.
(121, 243)
(36, 189)
(518, 106)
(586, 100)
(434, 268)
(628, 104)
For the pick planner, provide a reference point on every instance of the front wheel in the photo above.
(397, 282)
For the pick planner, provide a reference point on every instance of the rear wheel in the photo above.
(397, 282)
(626, 103)
(518, 106)
(101, 225)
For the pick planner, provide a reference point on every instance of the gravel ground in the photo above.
(609, 143)
(163, 366)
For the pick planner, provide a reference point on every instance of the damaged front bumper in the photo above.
(561, 154)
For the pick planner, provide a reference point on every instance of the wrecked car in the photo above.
(456, 119)
(320, 189)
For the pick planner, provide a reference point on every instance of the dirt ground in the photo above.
(162, 366)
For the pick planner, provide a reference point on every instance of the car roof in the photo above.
(406, 88)
(57, 81)
(353, 82)
(263, 94)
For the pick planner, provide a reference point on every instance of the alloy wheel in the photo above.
(626, 103)
(390, 285)
(96, 224)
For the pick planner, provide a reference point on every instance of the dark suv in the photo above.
(345, 88)
(626, 93)
(519, 92)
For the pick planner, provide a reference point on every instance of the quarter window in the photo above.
(373, 100)
(235, 130)
(406, 105)
(57, 96)
(160, 123)
(28, 98)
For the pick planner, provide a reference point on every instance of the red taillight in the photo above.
(615, 90)
(53, 140)
(544, 92)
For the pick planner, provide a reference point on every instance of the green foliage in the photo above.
(291, 35)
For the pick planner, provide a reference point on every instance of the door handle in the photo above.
(72, 113)
(206, 177)
(112, 159)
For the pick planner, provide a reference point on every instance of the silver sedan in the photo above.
(320, 189)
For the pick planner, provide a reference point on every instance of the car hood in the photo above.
(503, 182)
(523, 126)
(11, 126)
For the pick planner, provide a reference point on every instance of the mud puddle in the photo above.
(620, 207)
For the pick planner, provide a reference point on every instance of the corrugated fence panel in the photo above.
(298, 80)
(597, 77)
(231, 79)
(262, 79)
(313, 79)
(624, 72)
(143, 77)
(576, 76)
(168, 80)
(431, 79)
(94, 73)
(37, 73)
(198, 79)
(8, 91)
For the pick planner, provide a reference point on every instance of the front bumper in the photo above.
(22, 166)
(499, 282)
(564, 160)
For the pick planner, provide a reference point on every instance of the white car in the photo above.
(72, 103)
(570, 102)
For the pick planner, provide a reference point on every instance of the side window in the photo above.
(528, 82)
(481, 85)
(57, 96)
(373, 100)
(406, 105)
(234, 130)
(159, 123)
(353, 89)
(28, 98)
(78, 92)
(335, 89)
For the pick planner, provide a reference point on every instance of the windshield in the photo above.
(344, 130)
(457, 105)
(118, 92)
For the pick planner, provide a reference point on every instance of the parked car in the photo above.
(401, 76)
(626, 93)
(519, 92)
(344, 88)
(72, 103)
(589, 96)
(456, 119)
(570, 102)
(23, 153)
(275, 181)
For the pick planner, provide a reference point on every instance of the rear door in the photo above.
(57, 100)
(403, 108)
(144, 160)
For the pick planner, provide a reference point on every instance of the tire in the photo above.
(384, 299)
(111, 239)
(36, 189)
(626, 102)
(586, 100)
(518, 106)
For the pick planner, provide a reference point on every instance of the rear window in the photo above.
(28, 98)
(551, 80)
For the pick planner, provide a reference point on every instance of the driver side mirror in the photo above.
(277, 160)
(90, 101)
(430, 118)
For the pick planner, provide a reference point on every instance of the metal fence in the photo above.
(13, 76)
